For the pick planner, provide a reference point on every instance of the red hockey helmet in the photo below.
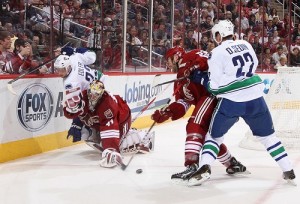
(173, 56)
(175, 50)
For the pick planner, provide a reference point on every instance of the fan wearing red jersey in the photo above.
(190, 65)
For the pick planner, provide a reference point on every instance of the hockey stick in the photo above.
(168, 102)
(124, 166)
(9, 84)
(154, 84)
(174, 80)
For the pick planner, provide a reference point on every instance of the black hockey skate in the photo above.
(236, 167)
(290, 177)
(180, 177)
(200, 176)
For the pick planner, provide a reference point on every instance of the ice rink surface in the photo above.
(72, 175)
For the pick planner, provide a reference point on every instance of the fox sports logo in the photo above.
(35, 107)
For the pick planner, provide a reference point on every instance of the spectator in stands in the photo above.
(5, 54)
(270, 46)
(276, 38)
(296, 44)
(254, 7)
(254, 41)
(134, 42)
(189, 42)
(282, 43)
(211, 45)
(266, 66)
(160, 33)
(296, 32)
(138, 21)
(21, 59)
(252, 21)
(244, 22)
(228, 15)
(197, 35)
(273, 12)
(269, 27)
(278, 54)
(277, 24)
(204, 42)
(281, 63)
(261, 16)
(295, 57)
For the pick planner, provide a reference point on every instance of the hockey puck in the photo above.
(139, 171)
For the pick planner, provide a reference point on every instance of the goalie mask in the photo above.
(173, 56)
(95, 93)
(62, 66)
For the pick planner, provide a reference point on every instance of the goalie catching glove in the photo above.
(110, 158)
(174, 111)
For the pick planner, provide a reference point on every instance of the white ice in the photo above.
(73, 176)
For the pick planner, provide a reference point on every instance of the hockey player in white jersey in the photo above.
(73, 66)
(240, 94)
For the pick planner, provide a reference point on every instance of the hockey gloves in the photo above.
(67, 50)
(70, 50)
(199, 77)
(110, 158)
(162, 115)
(75, 130)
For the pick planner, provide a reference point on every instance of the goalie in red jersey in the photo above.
(188, 91)
(111, 116)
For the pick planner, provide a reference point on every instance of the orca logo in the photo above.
(35, 107)
(267, 84)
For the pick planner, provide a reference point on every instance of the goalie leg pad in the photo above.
(137, 141)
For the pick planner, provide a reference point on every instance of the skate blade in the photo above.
(240, 173)
(195, 182)
(292, 182)
(179, 182)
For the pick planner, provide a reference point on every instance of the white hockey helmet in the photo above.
(62, 65)
(224, 28)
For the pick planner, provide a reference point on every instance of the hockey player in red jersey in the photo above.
(190, 92)
(110, 115)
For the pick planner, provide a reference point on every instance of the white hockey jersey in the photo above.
(232, 75)
(82, 75)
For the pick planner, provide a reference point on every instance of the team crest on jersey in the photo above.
(89, 120)
(108, 114)
(187, 92)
